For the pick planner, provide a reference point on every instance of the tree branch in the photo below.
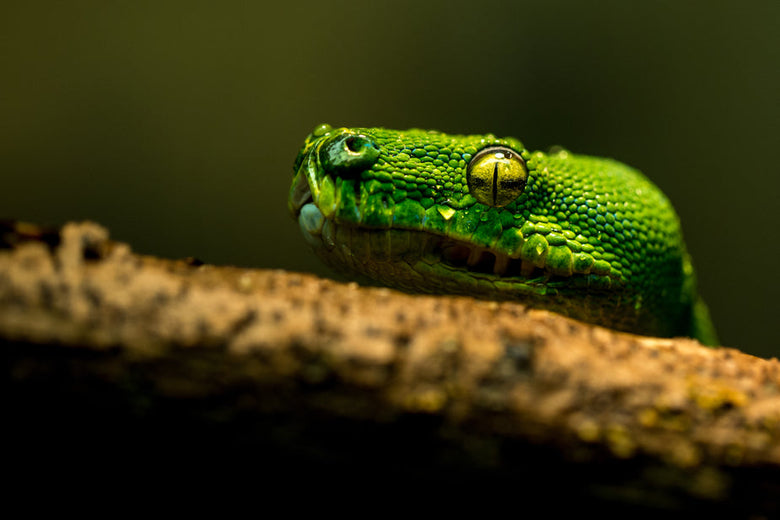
(297, 371)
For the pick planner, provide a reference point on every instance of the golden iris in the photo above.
(497, 176)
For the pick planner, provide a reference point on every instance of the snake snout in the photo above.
(348, 153)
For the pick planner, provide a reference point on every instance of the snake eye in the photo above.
(496, 176)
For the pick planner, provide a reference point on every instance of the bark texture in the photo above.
(111, 358)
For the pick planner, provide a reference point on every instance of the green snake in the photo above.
(428, 212)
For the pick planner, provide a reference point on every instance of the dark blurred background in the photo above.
(175, 123)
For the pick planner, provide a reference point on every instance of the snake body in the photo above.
(429, 212)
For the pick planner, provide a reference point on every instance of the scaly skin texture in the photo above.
(426, 212)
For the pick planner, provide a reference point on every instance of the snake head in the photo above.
(426, 211)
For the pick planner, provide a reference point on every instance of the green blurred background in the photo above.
(175, 123)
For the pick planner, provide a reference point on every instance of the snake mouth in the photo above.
(360, 244)
(355, 246)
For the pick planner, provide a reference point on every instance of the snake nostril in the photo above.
(349, 153)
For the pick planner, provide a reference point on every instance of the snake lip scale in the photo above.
(476, 215)
(460, 255)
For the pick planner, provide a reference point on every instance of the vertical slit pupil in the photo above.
(495, 182)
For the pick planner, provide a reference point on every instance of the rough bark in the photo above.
(127, 358)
